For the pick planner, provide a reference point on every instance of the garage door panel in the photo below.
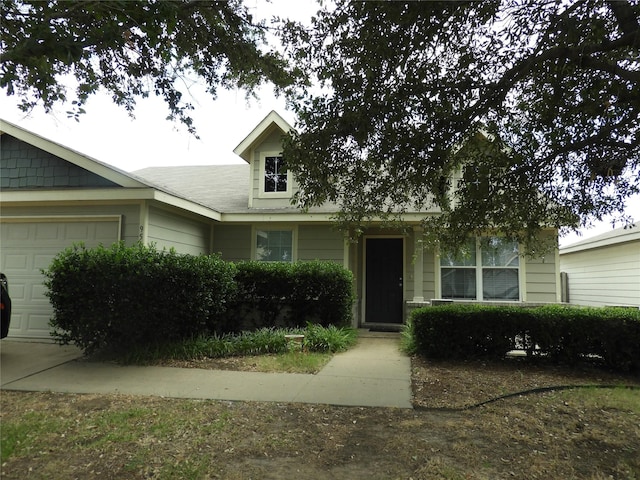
(47, 231)
(38, 291)
(106, 232)
(30, 246)
(76, 232)
(17, 291)
(17, 323)
(38, 324)
(14, 262)
(43, 260)
(17, 231)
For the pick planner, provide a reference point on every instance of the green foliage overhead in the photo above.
(533, 106)
(131, 49)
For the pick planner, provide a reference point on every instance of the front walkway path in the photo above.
(372, 374)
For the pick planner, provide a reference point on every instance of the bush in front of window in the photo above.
(322, 294)
(463, 331)
(121, 296)
(289, 295)
(558, 334)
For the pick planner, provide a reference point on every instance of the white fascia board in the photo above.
(107, 195)
(243, 149)
(187, 205)
(63, 195)
(605, 240)
(277, 217)
(91, 164)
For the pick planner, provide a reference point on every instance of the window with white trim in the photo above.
(487, 268)
(274, 245)
(276, 176)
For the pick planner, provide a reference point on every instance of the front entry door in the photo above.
(383, 280)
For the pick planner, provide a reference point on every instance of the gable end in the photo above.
(25, 166)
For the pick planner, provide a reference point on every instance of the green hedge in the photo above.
(557, 333)
(123, 296)
(290, 295)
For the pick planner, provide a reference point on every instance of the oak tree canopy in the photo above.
(532, 107)
(504, 114)
(132, 49)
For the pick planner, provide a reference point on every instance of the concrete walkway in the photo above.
(372, 374)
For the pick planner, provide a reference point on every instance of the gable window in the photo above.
(274, 245)
(275, 174)
(486, 269)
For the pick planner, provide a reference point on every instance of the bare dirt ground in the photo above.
(578, 433)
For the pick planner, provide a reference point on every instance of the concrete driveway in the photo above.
(21, 359)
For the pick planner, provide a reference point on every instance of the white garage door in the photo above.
(28, 245)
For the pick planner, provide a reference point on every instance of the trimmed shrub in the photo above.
(122, 296)
(462, 331)
(322, 294)
(560, 334)
(290, 295)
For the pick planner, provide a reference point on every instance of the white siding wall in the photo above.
(608, 275)
(186, 235)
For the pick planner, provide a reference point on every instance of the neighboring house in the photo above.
(603, 270)
(52, 196)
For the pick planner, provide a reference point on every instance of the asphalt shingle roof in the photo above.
(224, 188)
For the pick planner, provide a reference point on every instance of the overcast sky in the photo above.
(108, 134)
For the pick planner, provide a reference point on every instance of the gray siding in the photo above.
(540, 279)
(428, 288)
(170, 230)
(233, 242)
(543, 274)
(407, 276)
(25, 166)
(320, 243)
(429, 278)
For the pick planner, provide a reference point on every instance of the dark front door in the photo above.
(383, 280)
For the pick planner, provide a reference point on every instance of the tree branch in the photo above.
(625, 16)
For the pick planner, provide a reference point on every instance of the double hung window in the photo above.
(486, 269)
(274, 245)
(458, 273)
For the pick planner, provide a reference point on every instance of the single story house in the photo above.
(52, 196)
(603, 270)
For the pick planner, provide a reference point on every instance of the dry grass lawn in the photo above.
(571, 434)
